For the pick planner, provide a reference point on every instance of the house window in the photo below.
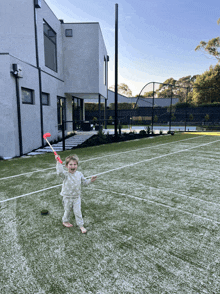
(61, 111)
(68, 32)
(27, 96)
(50, 47)
(45, 99)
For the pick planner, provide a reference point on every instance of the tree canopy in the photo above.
(123, 89)
(206, 88)
(212, 47)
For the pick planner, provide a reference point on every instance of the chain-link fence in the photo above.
(159, 105)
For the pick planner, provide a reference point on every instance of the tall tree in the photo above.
(123, 89)
(212, 47)
(207, 86)
(148, 94)
(183, 87)
(164, 90)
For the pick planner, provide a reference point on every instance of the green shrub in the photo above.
(143, 132)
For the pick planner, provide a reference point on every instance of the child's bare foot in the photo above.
(68, 225)
(83, 230)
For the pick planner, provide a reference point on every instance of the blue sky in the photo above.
(157, 39)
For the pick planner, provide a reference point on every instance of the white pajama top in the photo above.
(71, 187)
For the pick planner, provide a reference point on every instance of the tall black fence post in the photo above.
(152, 119)
(63, 134)
(116, 71)
(186, 108)
(171, 109)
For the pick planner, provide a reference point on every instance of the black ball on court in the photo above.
(44, 212)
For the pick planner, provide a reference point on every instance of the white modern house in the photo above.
(47, 67)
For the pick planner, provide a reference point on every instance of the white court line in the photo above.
(111, 170)
(42, 190)
(95, 158)
(157, 157)
(157, 203)
(183, 195)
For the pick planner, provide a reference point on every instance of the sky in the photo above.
(156, 39)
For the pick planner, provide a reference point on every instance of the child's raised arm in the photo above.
(59, 167)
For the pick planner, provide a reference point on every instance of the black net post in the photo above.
(152, 119)
(116, 71)
(171, 98)
(186, 107)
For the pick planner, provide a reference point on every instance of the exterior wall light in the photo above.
(17, 70)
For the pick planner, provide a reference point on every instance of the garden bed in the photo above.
(101, 138)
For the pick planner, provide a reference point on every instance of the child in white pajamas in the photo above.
(71, 190)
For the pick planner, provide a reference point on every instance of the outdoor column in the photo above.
(99, 112)
(105, 112)
(73, 113)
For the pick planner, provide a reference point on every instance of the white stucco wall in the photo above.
(81, 58)
(16, 29)
(102, 53)
(8, 110)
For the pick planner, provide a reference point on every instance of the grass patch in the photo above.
(153, 227)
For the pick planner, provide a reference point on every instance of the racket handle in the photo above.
(58, 157)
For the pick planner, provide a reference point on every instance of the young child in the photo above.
(71, 190)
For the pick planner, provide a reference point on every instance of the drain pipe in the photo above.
(16, 75)
(37, 4)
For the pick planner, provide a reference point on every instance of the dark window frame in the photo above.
(31, 91)
(48, 99)
(68, 32)
(51, 36)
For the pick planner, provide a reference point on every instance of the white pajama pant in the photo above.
(74, 204)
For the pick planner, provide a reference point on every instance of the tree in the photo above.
(149, 94)
(211, 47)
(93, 106)
(164, 90)
(121, 106)
(207, 86)
(173, 117)
(191, 116)
(207, 117)
(183, 87)
(123, 89)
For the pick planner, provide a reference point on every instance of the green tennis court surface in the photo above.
(153, 220)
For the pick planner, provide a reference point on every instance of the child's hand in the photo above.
(57, 157)
(93, 179)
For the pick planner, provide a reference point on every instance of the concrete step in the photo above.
(71, 142)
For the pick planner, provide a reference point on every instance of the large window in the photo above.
(61, 111)
(27, 96)
(50, 47)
